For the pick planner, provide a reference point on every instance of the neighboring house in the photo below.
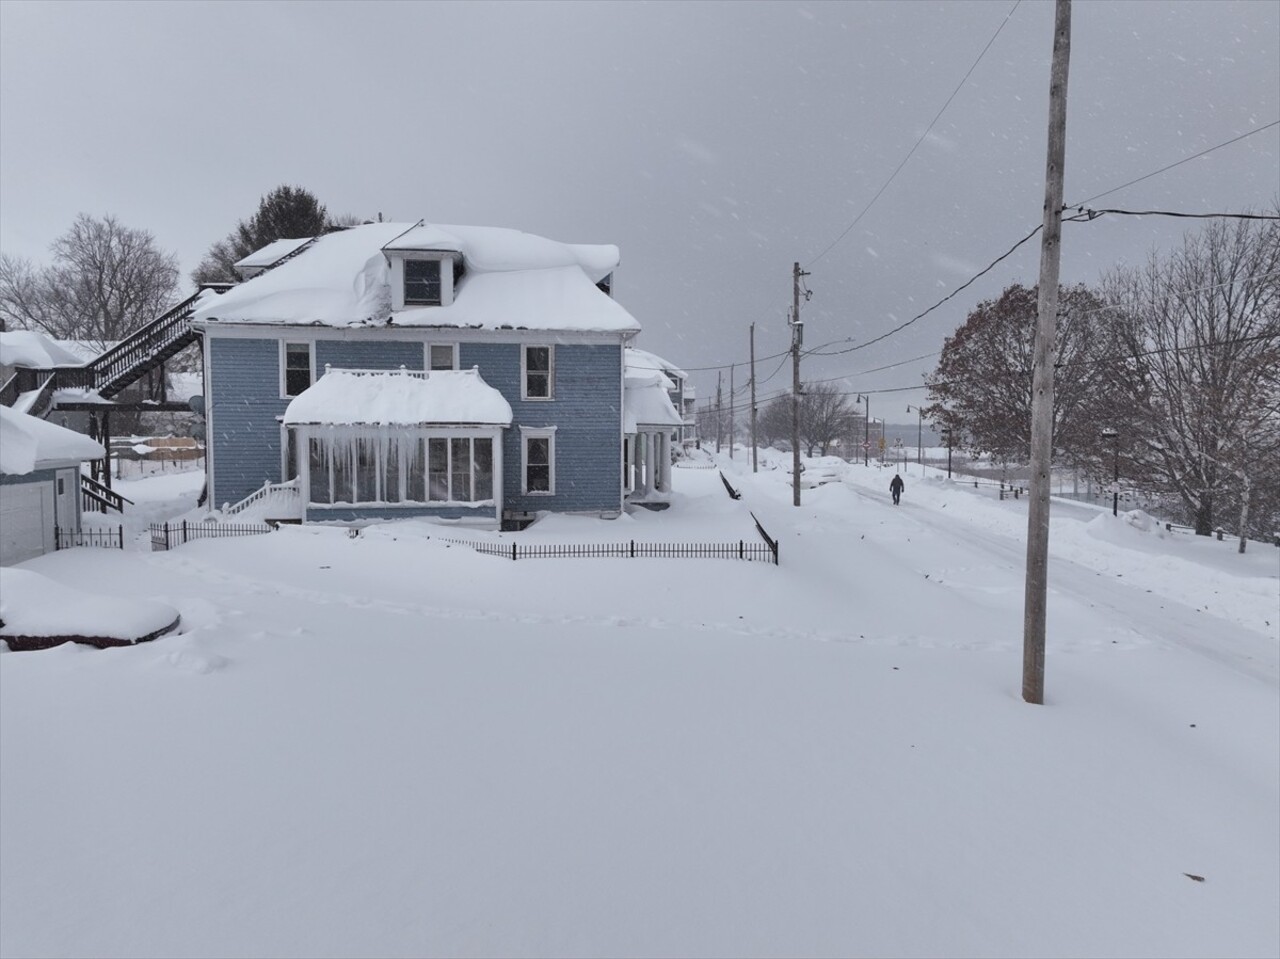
(39, 483)
(651, 424)
(395, 369)
(679, 390)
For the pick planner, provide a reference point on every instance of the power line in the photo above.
(1165, 169)
(916, 145)
(1094, 214)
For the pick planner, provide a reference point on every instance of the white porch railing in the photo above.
(287, 491)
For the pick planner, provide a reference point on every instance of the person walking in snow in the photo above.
(896, 488)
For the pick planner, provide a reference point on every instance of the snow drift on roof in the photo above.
(399, 398)
(34, 350)
(28, 444)
(512, 280)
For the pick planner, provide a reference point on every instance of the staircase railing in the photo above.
(40, 402)
(267, 489)
(142, 350)
(94, 494)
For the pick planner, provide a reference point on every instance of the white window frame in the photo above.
(447, 275)
(284, 369)
(528, 433)
(427, 348)
(551, 372)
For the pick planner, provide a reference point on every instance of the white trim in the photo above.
(429, 345)
(551, 372)
(285, 343)
(536, 433)
(300, 332)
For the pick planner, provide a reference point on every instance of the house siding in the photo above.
(20, 479)
(368, 355)
(585, 412)
(244, 406)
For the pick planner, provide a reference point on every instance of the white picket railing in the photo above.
(288, 489)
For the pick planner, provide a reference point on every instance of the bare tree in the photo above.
(105, 281)
(826, 415)
(982, 384)
(1196, 338)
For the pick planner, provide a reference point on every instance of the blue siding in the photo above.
(245, 407)
(346, 514)
(587, 416)
(368, 355)
(245, 401)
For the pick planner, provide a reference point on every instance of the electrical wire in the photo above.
(1165, 169)
(898, 169)
(1094, 214)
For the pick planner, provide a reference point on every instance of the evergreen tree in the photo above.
(287, 212)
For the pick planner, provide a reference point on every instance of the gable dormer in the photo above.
(422, 278)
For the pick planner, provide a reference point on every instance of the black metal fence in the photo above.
(168, 535)
(71, 538)
(633, 549)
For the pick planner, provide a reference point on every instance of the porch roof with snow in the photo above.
(34, 350)
(510, 280)
(399, 398)
(645, 402)
(28, 443)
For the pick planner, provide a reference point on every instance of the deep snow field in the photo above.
(386, 745)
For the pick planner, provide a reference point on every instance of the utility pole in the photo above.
(755, 465)
(719, 413)
(1033, 627)
(797, 337)
(732, 426)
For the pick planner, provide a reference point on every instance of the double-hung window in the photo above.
(422, 283)
(539, 468)
(538, 369)
(298, 368)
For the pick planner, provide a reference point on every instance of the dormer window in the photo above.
(422, 285)
(423, 278)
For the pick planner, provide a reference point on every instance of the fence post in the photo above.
(121, 529)
(633, 549)
(513, 552)
(184, 530)
(166, 535)
(741, 548)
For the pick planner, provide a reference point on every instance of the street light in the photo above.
(1114, 436)
(946, 435)
(919, 432)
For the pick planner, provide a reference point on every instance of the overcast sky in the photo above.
(714, 143)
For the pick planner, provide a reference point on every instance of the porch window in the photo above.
(400, 469)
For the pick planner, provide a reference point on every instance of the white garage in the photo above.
(39, 483)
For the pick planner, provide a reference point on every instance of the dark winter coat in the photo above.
(897, 486)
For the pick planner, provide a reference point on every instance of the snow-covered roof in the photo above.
(28, 444)
(399, 398)
(34, 350)
(647, 405)
(511, 280)
(269, 255)
(641, 361)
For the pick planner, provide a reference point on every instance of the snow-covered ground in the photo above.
(388, 745)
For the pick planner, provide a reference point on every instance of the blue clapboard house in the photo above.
(470, 374)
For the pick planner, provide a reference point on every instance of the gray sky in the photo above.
(715, 143)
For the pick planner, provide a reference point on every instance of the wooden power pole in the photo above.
(719, 410)
(1033, 628)
(732, 425)
(755, 464)
(797, 336)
